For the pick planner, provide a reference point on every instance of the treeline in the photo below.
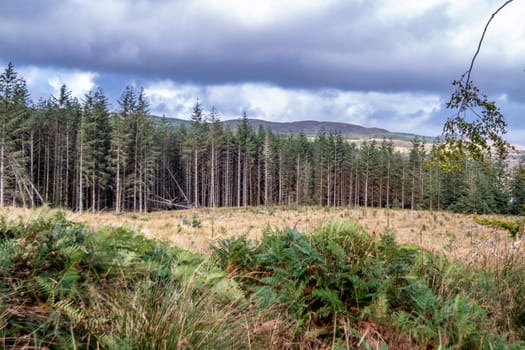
(80, 155)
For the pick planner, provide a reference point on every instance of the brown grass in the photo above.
(457, 235)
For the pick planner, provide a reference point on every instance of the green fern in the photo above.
(68, 306)
(10, 250)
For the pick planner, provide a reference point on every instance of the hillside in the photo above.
(312, 128)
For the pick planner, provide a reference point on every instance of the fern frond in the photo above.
(70, 310)
(9, 250)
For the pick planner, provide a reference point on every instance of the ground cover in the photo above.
(260, 278)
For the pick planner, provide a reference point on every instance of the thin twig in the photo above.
(481, 41)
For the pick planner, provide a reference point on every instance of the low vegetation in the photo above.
(346, 288)
(64, 285)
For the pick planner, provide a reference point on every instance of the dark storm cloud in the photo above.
(343, 46)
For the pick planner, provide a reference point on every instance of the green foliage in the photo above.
(514, 227)
(64, 286)
(83, 156)
(479, 137)
(338, 277)
(518, 188)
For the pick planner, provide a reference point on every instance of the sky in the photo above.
(380, 63)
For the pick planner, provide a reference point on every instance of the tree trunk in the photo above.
(80, 179)
(93, 192)
(297, 180)
(118, 184)
(196, 178)
(239, 177)
(2, 172)
(266, 168)
(245, 181)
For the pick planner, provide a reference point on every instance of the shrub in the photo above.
(65, 286)
(338, 278)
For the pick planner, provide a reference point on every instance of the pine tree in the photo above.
(53, 130)
(518, 189)
(367, 160)
(386, 158)
(215, 142)
(320, 154)
(145, 152)
(227, 163)
(120, 143)
(194, 149)
(433, 181)
(245, 148)
(14, 99)
(268, 159)
(416, 159)
(93, 148)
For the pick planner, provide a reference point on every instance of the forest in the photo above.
(80, 155)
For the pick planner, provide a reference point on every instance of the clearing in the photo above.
(457, 235)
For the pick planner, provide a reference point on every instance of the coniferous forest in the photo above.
(80, 155)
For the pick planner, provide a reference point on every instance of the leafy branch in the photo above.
(482, 137)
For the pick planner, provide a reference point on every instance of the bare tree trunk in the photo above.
(212, 178)
(196, 179)
(66, 192)
(280, 177)
(321, 184)
(136, 178)
(141, 188)
(403, 189)
(239, 177)
(380, 192)
(227, 179)
(118, 184)
(188, 179)
(245, 181)
(412, 197)
(93, 193)
(388, 184)
(2, 171)
(266, 166)
(258, 202)
(80, 179)
(46, 167)
(328, 185)
(350, 187)
(366, 189)
(31, 165)
(356, 198)
(297, 180)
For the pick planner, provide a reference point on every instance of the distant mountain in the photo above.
(312, 128)
(309, 127)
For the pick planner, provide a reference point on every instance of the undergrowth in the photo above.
(65, 286)
(347, 289)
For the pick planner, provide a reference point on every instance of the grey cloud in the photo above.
(345, 47)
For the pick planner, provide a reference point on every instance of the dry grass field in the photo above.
(457, 235)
